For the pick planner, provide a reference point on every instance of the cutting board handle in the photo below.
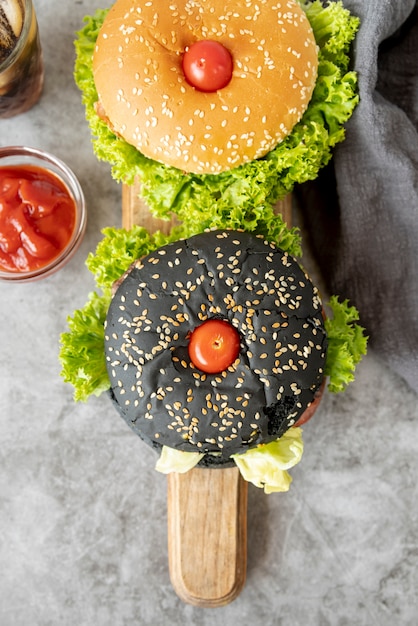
(207, 535)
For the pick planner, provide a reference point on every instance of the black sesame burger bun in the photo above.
(146, 98)
(271, 302)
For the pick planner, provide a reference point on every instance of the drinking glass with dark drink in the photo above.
(21, 65)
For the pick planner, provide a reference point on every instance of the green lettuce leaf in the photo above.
(347, 344)
(82, 353)
(119, 248)
(266, 465)
(334, 30)
(228, 199)
(171, 460)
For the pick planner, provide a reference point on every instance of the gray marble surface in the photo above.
(82, 512)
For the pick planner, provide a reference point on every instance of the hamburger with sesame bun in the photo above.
(204, 86)
(218, 107)
(214, 347)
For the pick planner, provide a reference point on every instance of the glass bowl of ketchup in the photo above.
(42, 214)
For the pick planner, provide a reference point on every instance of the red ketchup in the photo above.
(37, 217)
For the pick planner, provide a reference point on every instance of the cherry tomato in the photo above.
(207, 65)
(214, 346)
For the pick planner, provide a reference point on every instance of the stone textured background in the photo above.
(83, 514)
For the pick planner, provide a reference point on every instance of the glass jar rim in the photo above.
(27, 8)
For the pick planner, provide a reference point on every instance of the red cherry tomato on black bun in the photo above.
(214, 346)
(207, 65)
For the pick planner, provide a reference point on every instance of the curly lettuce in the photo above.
(119, 248)
(82, 353)
(347, 344)
(244, 194)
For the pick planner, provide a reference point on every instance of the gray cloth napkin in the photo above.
(362, 212)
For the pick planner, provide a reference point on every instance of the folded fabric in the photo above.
(362, 212)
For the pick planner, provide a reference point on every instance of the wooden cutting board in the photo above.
(206, 508)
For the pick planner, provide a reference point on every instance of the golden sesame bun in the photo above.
(138, 74)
